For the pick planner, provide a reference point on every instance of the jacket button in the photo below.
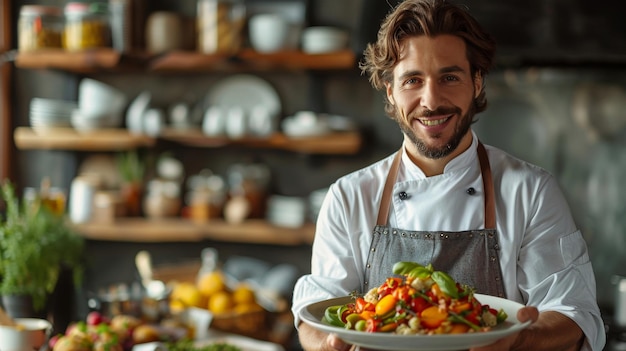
(403, 195)
(471, 191)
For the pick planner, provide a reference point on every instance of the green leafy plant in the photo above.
(35, 245)
(130, 166)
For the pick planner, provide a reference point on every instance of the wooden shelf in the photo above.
(120, 139)
(336, 143)
(79, 62)
(97, 60)
(70, 139)
(184, 230)
(193, 61)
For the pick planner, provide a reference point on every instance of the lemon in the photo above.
(211, 283)
(220, 302)
(243, 294)
(187, 295)
(249, 307)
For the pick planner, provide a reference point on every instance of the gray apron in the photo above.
(470, 257)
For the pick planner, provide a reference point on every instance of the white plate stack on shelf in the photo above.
(48, 114)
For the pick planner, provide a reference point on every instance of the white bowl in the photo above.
(95, 97)
(321, 39)
(286, 211)
(31, 334)
(268, 32)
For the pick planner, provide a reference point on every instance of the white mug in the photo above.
(261, 121)
(213, 121)
(236, 122)
(81, 199)
(153, 121)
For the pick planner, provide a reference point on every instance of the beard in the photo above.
(460, 130)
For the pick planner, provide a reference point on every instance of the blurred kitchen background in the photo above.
(557, 98)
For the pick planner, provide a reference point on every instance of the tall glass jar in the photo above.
(220, 26)
(39, 27)
(86, 27)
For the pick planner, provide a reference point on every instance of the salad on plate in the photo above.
(417, 300)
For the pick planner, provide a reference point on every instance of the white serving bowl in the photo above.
(31, 334)
(286, 211)
(268, 32)
(95, 97)
(322, 39)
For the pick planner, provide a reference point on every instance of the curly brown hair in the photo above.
(431, 18)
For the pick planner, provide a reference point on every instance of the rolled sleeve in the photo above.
(570, 290)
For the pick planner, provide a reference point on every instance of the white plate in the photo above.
(246, 91)
(313, 314)
(242, 342)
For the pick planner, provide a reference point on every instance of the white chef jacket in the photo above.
(543, 256)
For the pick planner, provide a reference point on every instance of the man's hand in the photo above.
(523, 315)
(335, 343)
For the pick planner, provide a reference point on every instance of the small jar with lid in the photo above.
(39, 27)
(86, 26)
(220, 26)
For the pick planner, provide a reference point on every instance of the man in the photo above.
(492, 221)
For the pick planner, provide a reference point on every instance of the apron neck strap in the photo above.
(383, 210)
(489, 196)
(485, 169)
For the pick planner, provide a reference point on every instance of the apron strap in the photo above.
(385, 203)
(489, 196)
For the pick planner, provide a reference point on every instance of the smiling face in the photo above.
(433, 96)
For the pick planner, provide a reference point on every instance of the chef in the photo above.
(494, 222)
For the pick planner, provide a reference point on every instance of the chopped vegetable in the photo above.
(188, 345)
(419, 300)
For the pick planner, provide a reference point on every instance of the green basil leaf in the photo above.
(404, 267)
(446, 284)
(420, 272)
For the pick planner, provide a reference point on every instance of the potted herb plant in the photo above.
(131, 168)
(36, 245)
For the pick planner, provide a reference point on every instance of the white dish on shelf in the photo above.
(98, 97)
(305, 124)
(135, 112)
(245, 91)
(323, 39)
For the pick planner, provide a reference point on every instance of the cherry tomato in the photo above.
(418, 304)
(402, 294)
(389, 286)
(372, 325)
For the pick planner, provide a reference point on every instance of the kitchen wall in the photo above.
(567, 115)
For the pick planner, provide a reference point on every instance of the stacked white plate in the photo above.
(46, 114)
(286, 211)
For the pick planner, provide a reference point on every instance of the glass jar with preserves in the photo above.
(220, 26)
(39, 27)
(86, 26)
